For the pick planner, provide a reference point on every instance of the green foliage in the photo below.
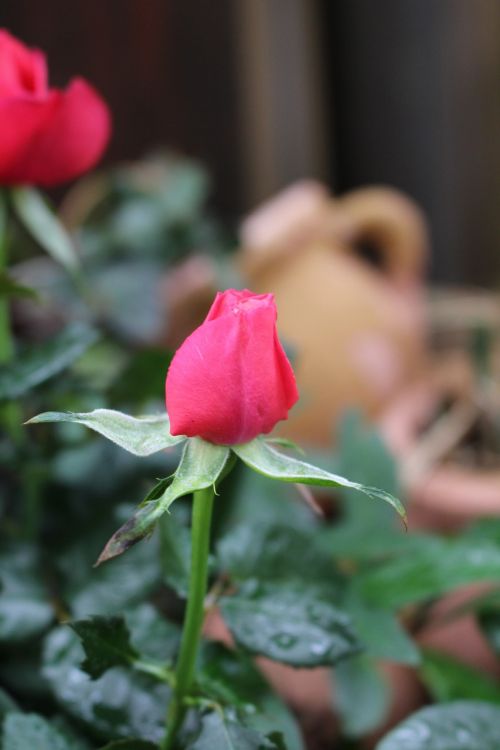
(222, 731)
(289, 623)
(461, 725)
(23, 731)
(448, 679)
(46, 360)
(362, 695)
(25, 607)
(46, 230)
(119, 704)
(434, 567)
(106, 642)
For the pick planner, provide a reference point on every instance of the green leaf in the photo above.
(222, 732)
(25, 609)
(270, 552)
(7, 704)
(130, 745)
(263, 458)
(175, 551)
(120, 704)
(380, 632)
(44, 226)
(108, 590)
(430, 568)
(42, 362)
(230, 677)
(362, 695)
(141, 436)
(10, 288)
(462, 725)
(106, 642)
(22, 731)
(289, 623)
(200, 466)
(448, 680)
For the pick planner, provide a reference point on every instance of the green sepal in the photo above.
(43, 225)
(263, 458)
(141, 436)
(201, 465)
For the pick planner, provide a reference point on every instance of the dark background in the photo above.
(409, 95)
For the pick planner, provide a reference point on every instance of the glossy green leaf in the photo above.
(461, 725)
(42, 362)
(230, 678)
(289, 623)
(106, 642)
(431, 568)
(380, 632)
(141, 436)
(489, 622)
(130, 745)
(25, 608)
(120, 704)
(175, 551)
(262, 457)
(274, 552)
(220, 731)
(362, 695)
(200, 466)
(44, 226)
(24, 731)
(448, 679)
(9, 287)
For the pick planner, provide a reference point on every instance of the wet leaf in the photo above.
(230, 677)
(23, 731)
(121, 703)
(289, 623)
(462, 725)
(226, 733)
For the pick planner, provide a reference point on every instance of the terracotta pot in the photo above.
(356, 330)
(443, 493)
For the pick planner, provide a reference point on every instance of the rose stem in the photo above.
(193, 621)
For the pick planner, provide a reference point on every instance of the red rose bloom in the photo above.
(231, 380)
(47, 136)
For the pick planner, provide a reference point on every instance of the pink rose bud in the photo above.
(231, 380)
(47, 136)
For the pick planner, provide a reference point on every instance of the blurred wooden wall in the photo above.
(165, 67)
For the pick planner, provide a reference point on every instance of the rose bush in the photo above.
(231, 380)
(47, 136)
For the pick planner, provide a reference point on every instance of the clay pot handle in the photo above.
(392, 223)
